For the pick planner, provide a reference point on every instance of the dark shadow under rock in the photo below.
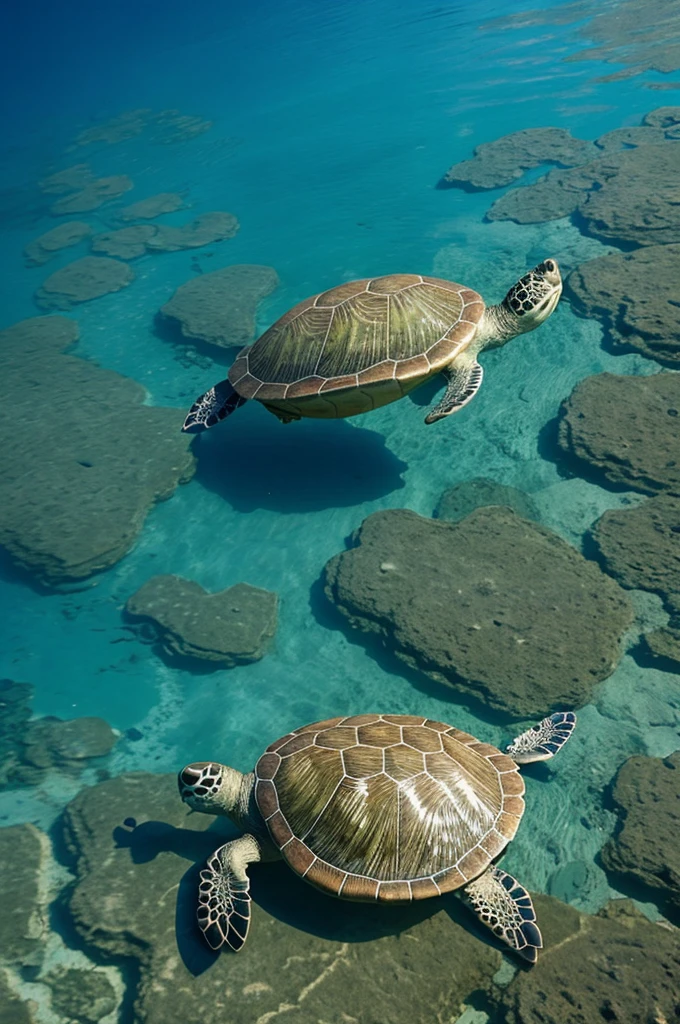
(636, 295)
(614, 966)
(506, 159)
(626, 429)
(91, 458)
(305, 950)
(219, 308)
(493, 606)
(254, 462)
(232, 627)
(458, 501)
(645, 849)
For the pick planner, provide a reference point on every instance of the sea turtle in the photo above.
(375, 807)
(366, 343)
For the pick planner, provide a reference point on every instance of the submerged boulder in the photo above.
(613, 966)
(83, 280)
(220, 307)
(99, 457)
(232, 627)
(95, 193)
(636, 295)
(458, 501)
(640, 547)
(626, 429)
(21, 925)
(498, 608)
(306, 951)
(154, 206)
(504, 160)
(645, 849)
(65, 235)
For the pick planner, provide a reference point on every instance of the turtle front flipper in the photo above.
(224, 894)
(464, 379)
(212, 407)
(542, 741)
(504, 906)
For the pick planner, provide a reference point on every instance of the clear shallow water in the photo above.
(331, 128)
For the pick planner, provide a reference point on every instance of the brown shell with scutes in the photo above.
(388, 807)
(358, 346)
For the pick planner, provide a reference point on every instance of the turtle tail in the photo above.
(212, 407)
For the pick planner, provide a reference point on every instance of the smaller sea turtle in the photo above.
(375, 808)
(366, 343)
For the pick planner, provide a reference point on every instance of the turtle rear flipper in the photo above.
(212, 407)
(504, 906)
(224, 896)
(542, 741)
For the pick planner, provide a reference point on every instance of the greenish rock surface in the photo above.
(95, 193)
(640, 547)
(99, 462)
(81, 996)
(232, 627)
(309, 957)
(614, 966)
(625, 197)
(635, 294)
(626, 429)
(498, 608)
(220, 307)
(83, 280)
(15, 712)
(21, 923)
(458, 501)
(50, 742)
(645, 848)
(124, 243)
(204, 230)
(46, 246)
(154, 206)
(506, 159)
(13, 1009)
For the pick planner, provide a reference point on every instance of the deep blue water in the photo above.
(332, 125)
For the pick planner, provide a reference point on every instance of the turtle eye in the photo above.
(549, 266)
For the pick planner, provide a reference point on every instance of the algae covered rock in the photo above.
(49, 741)
(320, 958)
(65, 235)
(501, 609)
(458, 501)
(85, 279)
(232, 627)
(154, 206)
(613, 966)
(208, 228)
(645, 848)
(15, 712)
(506, 159)
(124, 243)
(640, 547)
(219, 308)
(14, 1009)
(81, 996)
(626, 429)
(98, 461)
(21, 923)
(635, 293)
(95, 193)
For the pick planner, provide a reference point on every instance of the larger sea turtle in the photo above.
(366, 343)
(375, 808)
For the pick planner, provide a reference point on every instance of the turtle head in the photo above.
(209, 787)
(534, 297)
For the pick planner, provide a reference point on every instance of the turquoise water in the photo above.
(331, 128)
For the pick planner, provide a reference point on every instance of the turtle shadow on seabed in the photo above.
(254, 462)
